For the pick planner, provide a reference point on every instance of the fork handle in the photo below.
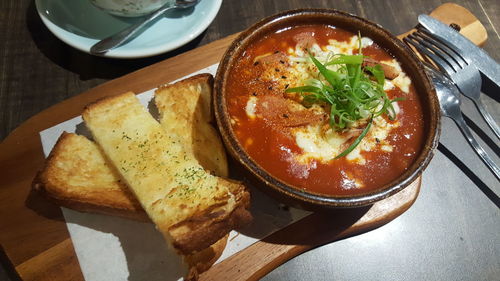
(475, 145)
(487, 117)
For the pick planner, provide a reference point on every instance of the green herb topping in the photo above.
(353, 91)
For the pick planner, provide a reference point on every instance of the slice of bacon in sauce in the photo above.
(275, 58)
(275, 62)
(282, 112)
(305, 39)
(349, 135)
(390, 72)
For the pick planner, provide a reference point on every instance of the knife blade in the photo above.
(472, 53)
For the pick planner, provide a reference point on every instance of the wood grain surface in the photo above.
(39, 71)
(317, 229)
(51, 256)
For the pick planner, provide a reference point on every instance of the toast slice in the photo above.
(77, 175)
(191, 207)
(188, 102)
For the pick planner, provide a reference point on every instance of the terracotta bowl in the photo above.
(411, 65)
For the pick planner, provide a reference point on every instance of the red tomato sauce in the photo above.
(273, 147)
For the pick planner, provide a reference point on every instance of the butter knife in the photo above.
(472, 53)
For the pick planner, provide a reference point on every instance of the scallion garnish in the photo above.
(350, 91)
(356, 142)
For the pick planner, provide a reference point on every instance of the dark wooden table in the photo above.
(451, 233)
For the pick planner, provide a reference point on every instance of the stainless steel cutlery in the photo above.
(473, 54)
(449, 101)
(451, 62)
(459, 62)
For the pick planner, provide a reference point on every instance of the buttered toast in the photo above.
(191, 207)
(185, 110)
(77, 175)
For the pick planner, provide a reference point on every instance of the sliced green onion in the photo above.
(330, 76)
(350, 91)
(377, 72)
(356, 142)
(304, 89)
(346, 59)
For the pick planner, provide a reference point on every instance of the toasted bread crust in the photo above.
(113, 197)
(91, 207)
(201, 261)
(163, 174)
(108, 195)
(192, 237)
(196, 111)
(202, 229)
(204, 104)
(161, 170)
(204, 79)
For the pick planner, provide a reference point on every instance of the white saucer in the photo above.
(79, 24)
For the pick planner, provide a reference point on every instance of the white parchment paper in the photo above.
(111, 248)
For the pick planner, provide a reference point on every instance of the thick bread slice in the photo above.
(179, 196)
(77, 175)
(188, 102)
(201, 261)
(97, 188)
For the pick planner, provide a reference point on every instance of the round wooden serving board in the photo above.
(33, 235)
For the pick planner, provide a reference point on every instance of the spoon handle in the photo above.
(129, 33)
(475, 145)
(487, 117)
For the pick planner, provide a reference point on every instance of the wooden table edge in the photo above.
(25, 138)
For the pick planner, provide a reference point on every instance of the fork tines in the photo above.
(451, 61)
(448, 58)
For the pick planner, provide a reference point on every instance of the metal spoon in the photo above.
(449, 101)
(129, 33)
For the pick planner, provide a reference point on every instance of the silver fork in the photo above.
(450, 60)
(449, 102)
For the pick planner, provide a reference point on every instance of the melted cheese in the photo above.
(402, 81)
(324, 147)
(250, 108)
(320, 145)
(315, 146)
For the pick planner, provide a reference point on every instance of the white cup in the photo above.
(129, 8)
